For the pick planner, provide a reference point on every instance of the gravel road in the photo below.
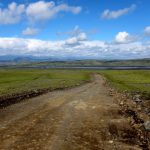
(81, 118)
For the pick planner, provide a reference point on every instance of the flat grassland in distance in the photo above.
(137, 81)
(17, 81)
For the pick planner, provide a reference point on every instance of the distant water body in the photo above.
(98, 68)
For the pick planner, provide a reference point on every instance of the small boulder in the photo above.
(137, 98)
(147, 111)
(121, 103)
(147, 126)
(111, 142)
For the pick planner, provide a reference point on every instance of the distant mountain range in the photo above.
(13, 58)
(71, 62)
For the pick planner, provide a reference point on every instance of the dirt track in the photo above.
(82, 118)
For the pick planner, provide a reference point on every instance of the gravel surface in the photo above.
(82, 118)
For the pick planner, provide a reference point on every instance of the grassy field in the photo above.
(131, 81)
(15, 81)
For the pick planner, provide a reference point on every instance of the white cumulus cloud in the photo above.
(77, 39)
(42, 10)
(30, 31)
(37, 11)
(72, 41)
(84, 49)
(147, 31)
(124, 37)
(77, 35)
(109, 14)
(12, 14)
(82, 36)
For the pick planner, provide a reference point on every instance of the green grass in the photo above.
(16, 81)
(131, 81)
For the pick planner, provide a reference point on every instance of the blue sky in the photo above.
(75, 28)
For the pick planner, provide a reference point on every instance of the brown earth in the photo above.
(82, 118)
